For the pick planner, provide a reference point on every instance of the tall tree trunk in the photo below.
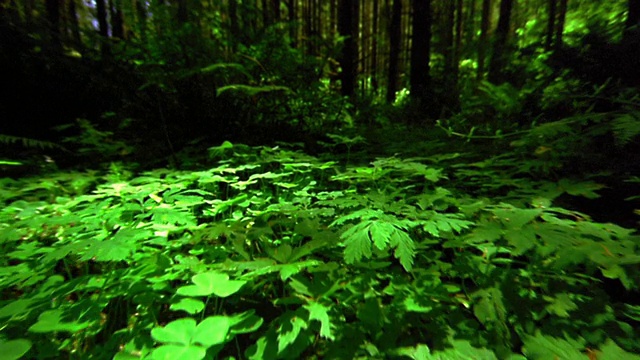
(234, 24)
(448, 40)
(374, 46)
(551, 24)
(562, 15)
(103, 27)
(484, 37)
(53, 16)
(395, 36)
(183, 12)
(348, 59)
(276, 10)
(419, 78)
(500, 54)
(291, 9)
(75, 26)
(117, 19)
(141, 14)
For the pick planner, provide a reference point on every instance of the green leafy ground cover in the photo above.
(270, 253)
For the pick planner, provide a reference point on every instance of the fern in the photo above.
(249, 90)
(626, 127)
(385, 233)
(28, 142)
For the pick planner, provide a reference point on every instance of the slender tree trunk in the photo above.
(348, 60)
(234, 24)
(484, 37)
(500, 53)
(470, 22)
(103, 27)
(374, 46)
(276, 10)
(395, 36)
(447, 38)
(53, 16)
(141, 13)
(419, 78)
(291, 7)
(117, 20)
(183, 12)
(562, 15)
(551, 24)
(75, 26)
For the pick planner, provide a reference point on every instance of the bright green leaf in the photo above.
(211, 283)
(320, 312)
(14, 349)
(211, 331)
(51, 320)
(176, 332)
(191, 306)
(174, 352)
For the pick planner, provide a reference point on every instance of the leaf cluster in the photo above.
(271, 253)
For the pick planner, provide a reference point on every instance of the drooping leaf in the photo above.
(405, 248)
(357, 243)
(52, 320)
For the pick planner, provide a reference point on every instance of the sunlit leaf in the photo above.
(211, 283)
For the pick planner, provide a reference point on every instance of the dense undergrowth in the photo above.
(271, 253)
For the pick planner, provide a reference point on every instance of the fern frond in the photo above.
(626, 127)
(251, 90)
(28, 142)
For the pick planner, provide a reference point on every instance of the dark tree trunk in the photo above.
(395, 36)
(276, 10)
(500, 54)
(419, 78)
(141, 12)
(562, 15)
(234, 24)
(103, 26)
(183, 12)
(117, 20)
(484, 37)
(374, 46)
(450, 65)
(346, 28)
(551, 24)
(75, 26)
(53, 16)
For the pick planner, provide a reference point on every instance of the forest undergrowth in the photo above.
(428, 251)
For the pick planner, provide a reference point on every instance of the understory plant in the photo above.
(271, 253)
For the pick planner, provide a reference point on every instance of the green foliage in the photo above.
(8, 140)
(275, 254)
